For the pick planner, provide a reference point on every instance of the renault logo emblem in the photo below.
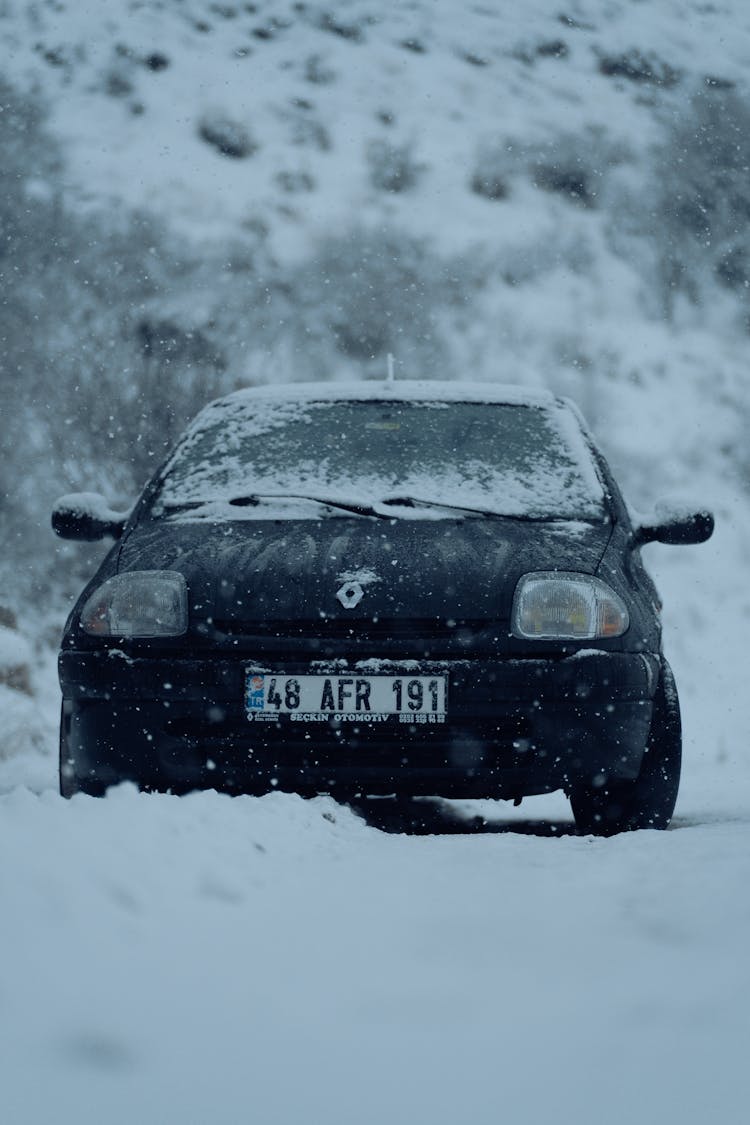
(350, 594)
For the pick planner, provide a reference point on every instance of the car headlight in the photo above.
(552, 605)
(141, 603)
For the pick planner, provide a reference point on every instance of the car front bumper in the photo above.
(513, 728)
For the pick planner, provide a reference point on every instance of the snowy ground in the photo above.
(272, 960)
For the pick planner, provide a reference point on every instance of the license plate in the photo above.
(346, 697)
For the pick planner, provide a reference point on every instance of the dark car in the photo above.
(405, 588)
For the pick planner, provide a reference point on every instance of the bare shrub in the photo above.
(491, 175)
(227, 136)
(366, 293)
(643, 67)
(701, 192)
(353, 31)
(392, 167)
(573, 165)
(16, 660)
(318, 72)
(295, 182)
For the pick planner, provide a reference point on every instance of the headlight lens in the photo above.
(551, 605)
(142, 603)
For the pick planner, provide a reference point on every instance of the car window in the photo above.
(517, 460)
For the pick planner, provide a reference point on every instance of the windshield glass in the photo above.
(514, 460)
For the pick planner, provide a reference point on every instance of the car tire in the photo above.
(648, 801)
(69, 782)
(68, 785)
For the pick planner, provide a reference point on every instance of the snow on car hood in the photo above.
(293, 570)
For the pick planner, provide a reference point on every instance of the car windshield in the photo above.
(254, 459)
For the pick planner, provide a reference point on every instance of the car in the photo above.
(378, 589)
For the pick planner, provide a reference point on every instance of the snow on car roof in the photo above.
(292, 395)
(418, 390)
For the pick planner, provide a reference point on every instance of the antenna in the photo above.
(389, 377)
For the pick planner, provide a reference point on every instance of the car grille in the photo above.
(329, 636)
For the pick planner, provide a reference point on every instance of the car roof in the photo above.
(398, 390)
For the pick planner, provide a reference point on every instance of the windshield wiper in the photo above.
(255, 498)
(418, 502)
(490, 513)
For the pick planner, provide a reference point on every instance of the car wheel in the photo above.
(68, 785)
(69, 782)
(648, 801)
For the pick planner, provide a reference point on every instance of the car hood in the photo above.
(359, 569)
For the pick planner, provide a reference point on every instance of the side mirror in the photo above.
(86, 515)
(674, 526)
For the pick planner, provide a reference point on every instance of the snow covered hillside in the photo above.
(198, 196)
